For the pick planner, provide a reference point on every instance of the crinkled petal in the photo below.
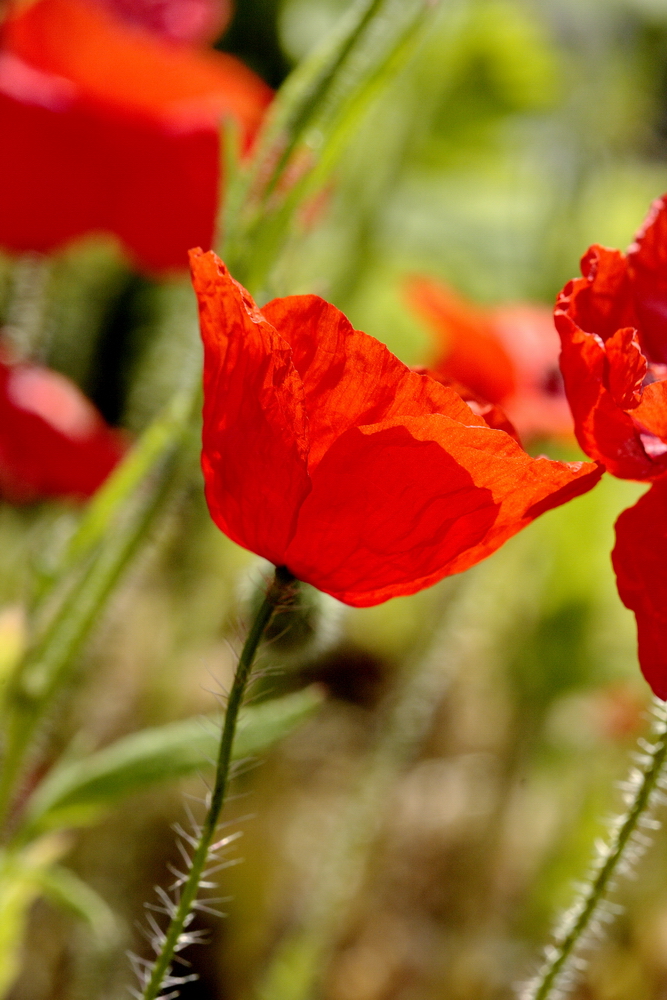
(255, 438)
(604, 430)
(349, 377)
(640, 562)
(647, 266)
(651, 414)
(401, 504)
(626, 368)
(601, 301)
(492, 414)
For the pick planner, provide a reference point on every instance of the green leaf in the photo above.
(62, 887)
(75, 793)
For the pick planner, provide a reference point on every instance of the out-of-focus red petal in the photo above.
(255, 440)
(53, 443)
(107, 129)
(189, 21)
(398, 505)
(640, 562)
(472, 354)
(349, 377)
(647, 267)
(626, 368)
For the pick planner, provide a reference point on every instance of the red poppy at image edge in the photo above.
(109, 128)
(324, 453)
(53, 442)
(503, 355)
(613, 328)
(192, 21)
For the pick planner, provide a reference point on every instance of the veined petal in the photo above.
(349, 377)
(626, 367)
(640, 562)
(398, 505)
(601, 301)
(604, 430)
(651, 414)
(255, 439)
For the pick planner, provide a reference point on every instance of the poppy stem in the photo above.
(176, 936)
(582, 924)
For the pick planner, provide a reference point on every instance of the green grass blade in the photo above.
(319, 104)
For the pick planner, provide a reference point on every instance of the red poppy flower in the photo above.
(322, 452)
(507, 355)
(53, 443)
(106, 128)
(614, 361)
(614, 352)
(191, 21)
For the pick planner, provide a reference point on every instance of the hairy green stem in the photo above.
(160, 971)
(642, 793)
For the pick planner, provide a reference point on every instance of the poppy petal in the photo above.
(53, 443)
(647, 266)
(651, 414)
(349, 377)
(492, 414)
(601, 301)
(112, 130)
(255, 440)
(640, 562)
(626, 367)
(604, 430)
(399, 505)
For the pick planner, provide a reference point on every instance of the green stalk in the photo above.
(614, 858)
(160, 972)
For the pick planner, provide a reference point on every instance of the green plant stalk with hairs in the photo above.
(159, 976)
(642, 792)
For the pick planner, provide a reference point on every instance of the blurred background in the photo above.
(379, 861)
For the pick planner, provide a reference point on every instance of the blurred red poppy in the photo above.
(613, 328)
(106, 128)
(507, 356)
(324, 453)
(190, 21)
(53, 442)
